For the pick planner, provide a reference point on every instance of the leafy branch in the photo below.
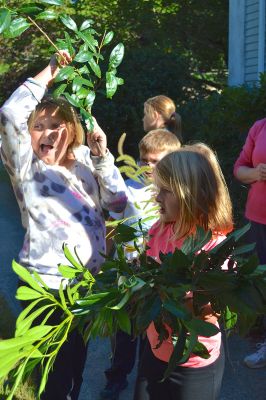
(126, 294)
(80, 80)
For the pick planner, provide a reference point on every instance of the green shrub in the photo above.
(222, 121)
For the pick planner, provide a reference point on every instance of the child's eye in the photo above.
(37, 126)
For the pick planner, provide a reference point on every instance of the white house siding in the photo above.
(246, 41)
(251, 41)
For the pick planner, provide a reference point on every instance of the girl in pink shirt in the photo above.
(191, 192)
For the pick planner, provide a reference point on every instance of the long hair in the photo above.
(61, 107)
(166, 108)
(194, 182)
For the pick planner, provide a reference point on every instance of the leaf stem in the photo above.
(47, 37)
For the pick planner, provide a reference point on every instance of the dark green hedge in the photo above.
(222, 121)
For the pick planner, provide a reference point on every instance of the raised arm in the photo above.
(47, 75)
(112, 186)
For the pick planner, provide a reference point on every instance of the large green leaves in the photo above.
(116, 56)
(17, 27)
(69, 22)
(47, 15)
(5, 19)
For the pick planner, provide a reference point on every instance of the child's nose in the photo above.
(51, 134)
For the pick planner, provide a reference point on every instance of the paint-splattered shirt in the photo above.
(57, 205)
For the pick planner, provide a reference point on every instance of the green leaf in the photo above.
(177, 352)
(23, 325)
(250, 266)
(108, 37)
(26, 293)
(62, 296)
(54, 2)
(127, 159)
(26, 311)
(90, 99)
(33, 334)
(89, 40)
(59, 90)
(68, 22)
(81, 93)
(83, 56)
(111, 84)
(17, 27)
(30, 9)
(67, 72)
(116, 56)
(202, 328)
(247, 248)
(70, 258)
(86, 24)
(69, 46)
(68, 272)
(120, 81)
(95, 67)
(149, 311)
(24, 274)
(122, 302)
(5, 19)
(123, 321)
(179, 312)
(230, 318)
(78, 82)
(201, 351)
(125, 233)
(87, 119)
(47, 15)
(73, 99)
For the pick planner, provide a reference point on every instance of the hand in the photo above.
(59, 59)
(46, 76)
(96, 140)
(260, 172)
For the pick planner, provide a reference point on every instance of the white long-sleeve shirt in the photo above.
(58, 205)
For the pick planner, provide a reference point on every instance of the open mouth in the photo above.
(45, 148)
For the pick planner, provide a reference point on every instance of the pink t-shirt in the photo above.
(252, 154)
(160, 241)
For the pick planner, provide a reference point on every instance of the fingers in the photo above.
(63, 57)
(262, 171)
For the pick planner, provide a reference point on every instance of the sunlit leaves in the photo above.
(108, 38)
(69, 22)
(111, 84)
(16, 27)
(67, 72)
(53, 2)
(47, 15)
(5, 19)
(83, 56)
(86, 24)
(116, 56)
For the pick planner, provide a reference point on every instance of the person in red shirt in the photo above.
(191, 192)
(250, 168)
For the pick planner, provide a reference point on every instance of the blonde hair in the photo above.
(201, 193)
(166, 108)
(159, 140)
(63, 108)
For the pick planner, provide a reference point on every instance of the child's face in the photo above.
(150, 160)
(169, 208)
(149, 119)
(50, 137)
